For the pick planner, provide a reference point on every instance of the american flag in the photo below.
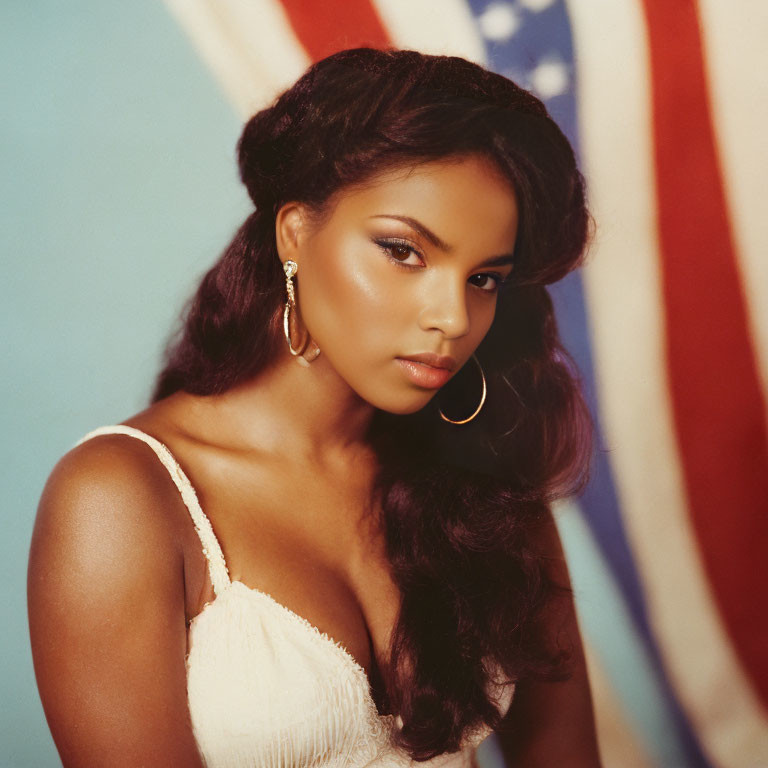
(665, 102)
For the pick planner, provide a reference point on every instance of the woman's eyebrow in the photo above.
(422, 229)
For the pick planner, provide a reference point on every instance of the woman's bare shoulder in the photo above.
(110, 485)
(107, 524)
(106, 606)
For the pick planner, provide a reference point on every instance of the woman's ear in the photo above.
(289, 223)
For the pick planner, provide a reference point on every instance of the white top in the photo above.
(268, 689)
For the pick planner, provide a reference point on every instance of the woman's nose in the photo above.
(445, 308)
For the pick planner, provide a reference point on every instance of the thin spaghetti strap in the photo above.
(217, 566)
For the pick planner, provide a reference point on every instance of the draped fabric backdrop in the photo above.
(668, 322)
(665, 102)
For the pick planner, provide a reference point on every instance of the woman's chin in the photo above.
(407, 407)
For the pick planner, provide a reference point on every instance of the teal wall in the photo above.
(118, 188)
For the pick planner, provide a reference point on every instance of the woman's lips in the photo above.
(424, 375)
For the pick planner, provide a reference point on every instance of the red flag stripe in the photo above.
(330, 26)
(714, 383)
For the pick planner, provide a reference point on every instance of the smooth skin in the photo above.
(281, 469)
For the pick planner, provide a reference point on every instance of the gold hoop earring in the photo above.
(482, 398)
(290, 268)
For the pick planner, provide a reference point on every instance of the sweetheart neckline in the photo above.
(386, 723)
(313, 631)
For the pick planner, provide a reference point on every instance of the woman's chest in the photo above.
(269, 689)
(315, 547)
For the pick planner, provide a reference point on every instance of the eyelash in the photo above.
(388, 245)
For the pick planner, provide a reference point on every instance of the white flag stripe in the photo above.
(445, 28)
(734, 38)
(250, 47)
(622, 284)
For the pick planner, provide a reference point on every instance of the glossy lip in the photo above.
(430, 358)
(423, 375)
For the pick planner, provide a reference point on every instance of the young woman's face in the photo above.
(374, 288)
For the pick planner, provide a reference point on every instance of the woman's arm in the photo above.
(553, 724)
(106, 610)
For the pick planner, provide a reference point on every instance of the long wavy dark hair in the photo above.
(459, 505)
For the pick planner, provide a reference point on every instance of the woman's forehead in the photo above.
(437, 183)
(456, 200)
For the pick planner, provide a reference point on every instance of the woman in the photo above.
(345, 554)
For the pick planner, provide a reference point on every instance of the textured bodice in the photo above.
(268, 689)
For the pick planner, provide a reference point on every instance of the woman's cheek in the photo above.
(351, 295)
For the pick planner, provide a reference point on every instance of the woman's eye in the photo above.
(488, 282)
(398, 251)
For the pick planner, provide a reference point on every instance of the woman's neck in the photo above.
(308, 414)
